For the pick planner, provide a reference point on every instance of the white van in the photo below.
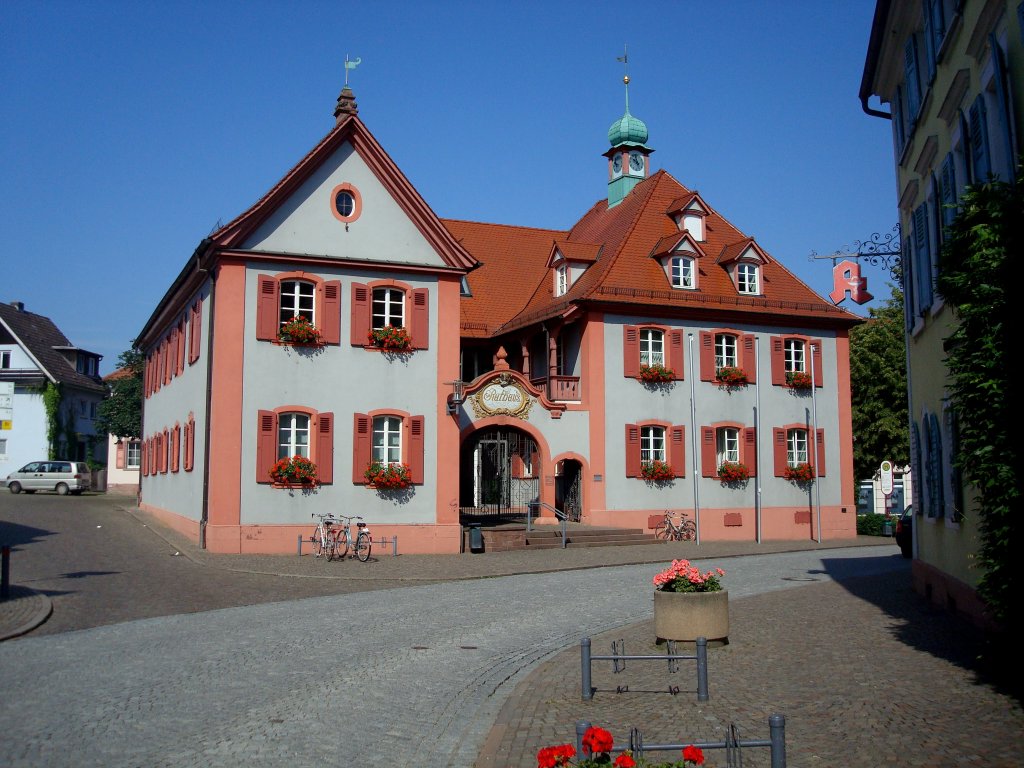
(64, 477)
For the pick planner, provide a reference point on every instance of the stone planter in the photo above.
(686, 616)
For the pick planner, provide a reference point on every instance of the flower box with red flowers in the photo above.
(733, 472)
(597, 745)
(299, 330)
(390, 338)
(656, 471)
(655, 374)
(800, 473)
(799, 379)
(387, 477)
(296, 470)
(728, 376)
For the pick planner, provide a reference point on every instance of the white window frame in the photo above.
(652, 346)
(747, 278)
(297, 297)
(652, 443)
(561, 279)
(5, 358)
(726, 351)
(133, 454)
(386, 445)
(293, 435)
(727, 445)
(795, 355)
(388, 308)
(796, 447)
(681, 271)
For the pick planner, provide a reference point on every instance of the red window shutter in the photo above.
(778, 356)
(779, 451)
(677, 450)
(172, 353)
(268, 318)
(175, 448)
(420, 318)
(675, 354)
(707, 362)
(325, 448)
(143, 456)
(190, 445)
(630, 353)
(708, 453)
(816, 356)
(119, 461)
(360, 446)
(195, 341)
(359, 320)
(748, 361)
(632, 450)
(182, 325)
(819, 469)
(266, 445)
(331, 325)
(416, 446)
(168, 351)
(748, 449)
(165, 449)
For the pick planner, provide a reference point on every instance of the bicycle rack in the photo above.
(619, 659)
(377, 540)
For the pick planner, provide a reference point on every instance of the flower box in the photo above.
(799, 379)
(387, 477)
(299, 330)
(730, 377)
(801, 473)
(733, 472)
(390, 338)
(297, 470)
(690, 603)
(655, 374)
(656, 471)
(596, 746)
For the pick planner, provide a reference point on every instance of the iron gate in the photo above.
(500, 474)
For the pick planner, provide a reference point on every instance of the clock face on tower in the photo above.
(617, 164)
(636, 161)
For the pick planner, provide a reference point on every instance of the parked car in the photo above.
(64, 477)
(905, 531)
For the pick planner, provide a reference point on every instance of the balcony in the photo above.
(560, 388)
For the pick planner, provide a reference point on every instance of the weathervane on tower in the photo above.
(350, 65)
(624, 58)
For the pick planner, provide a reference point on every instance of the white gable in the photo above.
(305, 222)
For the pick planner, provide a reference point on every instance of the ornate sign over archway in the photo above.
(504, 396)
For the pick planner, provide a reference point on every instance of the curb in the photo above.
(36, 606)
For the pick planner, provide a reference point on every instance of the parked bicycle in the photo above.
(361, 545)
(324, 535)
(669, 530)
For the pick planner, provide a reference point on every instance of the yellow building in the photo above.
(949, 74)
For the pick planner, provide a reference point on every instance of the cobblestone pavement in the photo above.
(486, 671)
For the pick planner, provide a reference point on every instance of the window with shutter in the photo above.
(646, 346)
(978, 126)
(922, 258)
(195, 339)
(281, 298)
(911, 79)
(388, 438)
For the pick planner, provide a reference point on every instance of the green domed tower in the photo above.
(629, 158)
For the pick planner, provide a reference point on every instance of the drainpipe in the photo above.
(757, 435)
(205, 517)
(814, 449)
(693, 437)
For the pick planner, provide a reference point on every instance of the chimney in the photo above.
(18, 305)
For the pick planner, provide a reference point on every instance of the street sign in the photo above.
(886, 478)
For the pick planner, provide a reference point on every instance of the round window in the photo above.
(344, 203)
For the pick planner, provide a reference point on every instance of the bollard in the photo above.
(588, 690)
(581, 730)
(777, 731)
(300, 545)
(702, 669)
(5, 573)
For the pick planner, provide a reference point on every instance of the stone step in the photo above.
(508, 538)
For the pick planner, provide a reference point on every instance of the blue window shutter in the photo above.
(979, 140)
(936, 472)
(1002, 109)
(948, 190)
(898, 133)
(931, 40)
(922, 259)
(907, 265)
(965, 142)
(912, 80)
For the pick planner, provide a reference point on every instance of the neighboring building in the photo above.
(125, 452)
(35, 356)
(522, 380)
(952, 74)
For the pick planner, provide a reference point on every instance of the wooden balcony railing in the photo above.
(560, 387)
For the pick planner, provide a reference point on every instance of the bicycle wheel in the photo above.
(342, 544)
(663, 532)
(332, 545)
(363, 546)
(688, 530)
(318, 542)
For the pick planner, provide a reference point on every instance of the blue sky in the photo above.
(130, 129)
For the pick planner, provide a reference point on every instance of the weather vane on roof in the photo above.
(350, 65)
(624, 58)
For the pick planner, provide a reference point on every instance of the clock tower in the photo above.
(629, 158)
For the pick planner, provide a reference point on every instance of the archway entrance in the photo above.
(499, 475)
(568, 489)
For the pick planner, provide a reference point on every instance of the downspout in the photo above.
(814, 444)
(205, 517)
(757, 436)
(693, 439)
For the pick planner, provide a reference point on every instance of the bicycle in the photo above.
(343, 542)
(324, 536)
(669, 530)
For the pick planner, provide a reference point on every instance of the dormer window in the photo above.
(682, 272)
(561, 279)
(693, 222)
(747, 278)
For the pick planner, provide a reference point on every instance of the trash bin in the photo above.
(476, 538)
(887, 529)
(99, 480)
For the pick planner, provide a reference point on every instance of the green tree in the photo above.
(121, 413)
(878, 385)
(977, 271)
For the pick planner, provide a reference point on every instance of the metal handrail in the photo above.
(562, 517)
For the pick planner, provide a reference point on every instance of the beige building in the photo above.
(949, 74)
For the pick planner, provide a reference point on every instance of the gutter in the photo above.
(871, 63)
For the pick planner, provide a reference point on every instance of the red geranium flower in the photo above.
(597, 740)
(694, 755)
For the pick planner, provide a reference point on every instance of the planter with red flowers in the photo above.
(596, 747)
(299, 331)
(655, 374)
(390, 338)
(387, 477)
(656, 471)
(733, 472)
(729, 377)
(799, 379)
(799, 473)
(294, 471)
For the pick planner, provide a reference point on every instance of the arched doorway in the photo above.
(499, 474)
(568, 489)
